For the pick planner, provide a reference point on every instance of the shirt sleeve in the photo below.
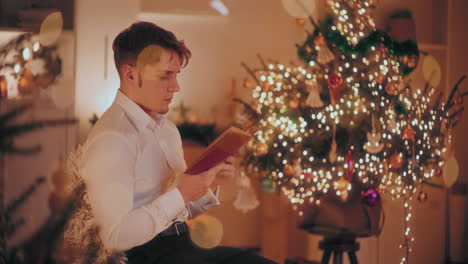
(108, 170)
(201, 205)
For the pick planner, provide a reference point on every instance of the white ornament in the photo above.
(297, 168)
(313, 99)
(246, 199)
(36, 66)
(373, 145)
(324, 55)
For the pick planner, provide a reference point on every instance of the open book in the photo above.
(227, 144)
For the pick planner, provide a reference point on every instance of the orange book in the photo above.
(227, 144)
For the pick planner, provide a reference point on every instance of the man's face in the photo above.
(156, 82)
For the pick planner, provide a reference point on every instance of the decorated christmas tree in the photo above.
(348, 116)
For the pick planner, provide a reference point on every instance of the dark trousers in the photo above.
(181, 250)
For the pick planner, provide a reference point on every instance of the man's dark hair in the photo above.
(131, 41)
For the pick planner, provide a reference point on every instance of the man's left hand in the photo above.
(225, 173)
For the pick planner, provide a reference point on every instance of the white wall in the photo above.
(94, 22)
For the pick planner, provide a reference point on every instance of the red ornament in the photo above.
(408, 133)
(320, 40)
(382, 51)
(396, 161)
(308, 175)
(334, 82)
(350, 169)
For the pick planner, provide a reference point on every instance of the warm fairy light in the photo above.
(36, 46)
(27, 53)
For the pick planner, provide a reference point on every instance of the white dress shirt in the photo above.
(131, 165)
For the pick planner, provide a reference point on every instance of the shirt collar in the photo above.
(138, 116)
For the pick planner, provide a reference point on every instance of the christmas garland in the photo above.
(403, 50)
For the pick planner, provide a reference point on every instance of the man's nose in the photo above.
(174, 86)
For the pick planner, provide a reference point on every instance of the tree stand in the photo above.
(337, 246)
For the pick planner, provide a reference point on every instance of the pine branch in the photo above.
(14, 113)
(452, 93)
(262, 61)
(250, 72)
(13, 206)
(13, 226)
(11, 149)
(8, 132)
(247, 107)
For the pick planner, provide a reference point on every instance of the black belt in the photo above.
(176, 229)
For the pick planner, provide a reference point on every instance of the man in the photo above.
(133, 161)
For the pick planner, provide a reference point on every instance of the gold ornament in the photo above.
(396, 160)
(300, 22)
(391, 88)
(260, 149)
(26, 84)
(294, 103)
(380, 79)
(422, 196)
(288, 170)
(247, 83)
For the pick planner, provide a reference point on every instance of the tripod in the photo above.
(337, 246)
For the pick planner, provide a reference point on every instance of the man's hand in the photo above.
(226, 172)
(193, 187)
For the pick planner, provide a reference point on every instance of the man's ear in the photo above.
(129, 73)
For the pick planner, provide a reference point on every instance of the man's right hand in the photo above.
(193, 187)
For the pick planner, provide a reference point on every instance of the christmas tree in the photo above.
(348, 117)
